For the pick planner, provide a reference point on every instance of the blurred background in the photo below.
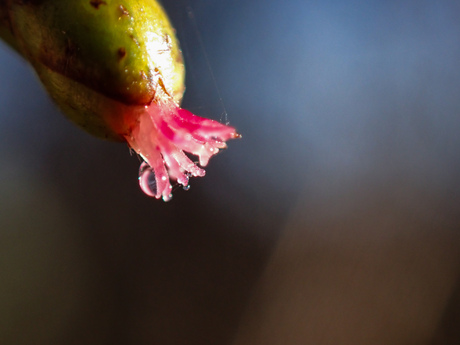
(335, 220)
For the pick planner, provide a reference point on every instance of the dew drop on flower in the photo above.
(147, 180)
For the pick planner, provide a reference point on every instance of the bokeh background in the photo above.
(335, 220)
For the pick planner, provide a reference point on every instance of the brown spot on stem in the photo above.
(162, 86)
(97, 3)
(121, 53)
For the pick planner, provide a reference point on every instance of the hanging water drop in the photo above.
(186, 188)
(147, 180)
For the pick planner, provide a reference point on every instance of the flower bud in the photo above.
(115, 69)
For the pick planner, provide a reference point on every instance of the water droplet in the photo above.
(186, 188)
(167, 198)
(147, 180)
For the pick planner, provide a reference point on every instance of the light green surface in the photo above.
(89, 53)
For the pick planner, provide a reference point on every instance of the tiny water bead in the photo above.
(147, 180)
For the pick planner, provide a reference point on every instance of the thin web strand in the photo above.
(191, 16)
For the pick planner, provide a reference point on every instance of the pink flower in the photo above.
(161, 136)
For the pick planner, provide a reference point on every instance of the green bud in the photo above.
(120, 49)
(115, 68)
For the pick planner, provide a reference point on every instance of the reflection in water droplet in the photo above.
(186, 188)
(147, 180)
